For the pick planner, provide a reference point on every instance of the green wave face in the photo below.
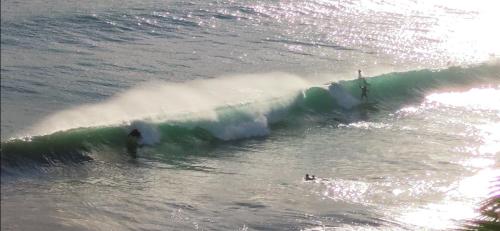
(318, 99)
(74, 146)
(234, 122)
(397, 88)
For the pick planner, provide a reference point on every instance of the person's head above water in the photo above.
(135, 133)
(309, 178)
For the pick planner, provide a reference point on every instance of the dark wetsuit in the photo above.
(135, 133)
(364, 88)
(132, 142)
(364, 91)
(310, 178)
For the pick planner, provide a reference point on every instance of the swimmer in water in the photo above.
(135, 133)
(133, 142)
(307, 178)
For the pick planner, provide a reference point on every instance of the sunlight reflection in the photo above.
(475, 99)
(459, 203)
(345, 190)
(490, 134)
(472, 36)
(478, 162)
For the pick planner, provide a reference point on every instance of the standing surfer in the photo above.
(364, 90)
(363, 85)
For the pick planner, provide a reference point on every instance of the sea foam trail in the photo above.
(195, 100)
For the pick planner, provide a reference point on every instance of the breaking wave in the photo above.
(208, 112)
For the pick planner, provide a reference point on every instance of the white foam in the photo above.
(241, 129)
(161, 101)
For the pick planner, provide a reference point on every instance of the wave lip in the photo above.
(195, 100)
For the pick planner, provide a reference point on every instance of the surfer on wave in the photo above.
(363, 85)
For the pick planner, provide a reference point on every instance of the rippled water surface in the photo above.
(236, 101)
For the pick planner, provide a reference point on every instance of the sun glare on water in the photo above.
(468, 31)
(474, 99)
(477, 101)
(459, 204)
(461, 199)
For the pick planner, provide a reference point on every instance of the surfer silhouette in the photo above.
(364, 91)
(363, 85)
(133, 142)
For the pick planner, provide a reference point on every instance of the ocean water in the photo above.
(236, 101)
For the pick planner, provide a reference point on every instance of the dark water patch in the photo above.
(103, 37)
(115, 67)
(300, 53)
(84, 19)
(249, 11)
(70, 40)
(179, 159)
(183, 22)
(309, 44)
(272, 226)
(182, 206)
(19, 89)
(6, 41)
(225, 16)
(170, 21)
(60, 50)
(86, 64)
(286, 220)
(5, 70)
(357, 218)
(250, 205)
(92, 94)
(66, 69)
(228, 58)
(93, 82)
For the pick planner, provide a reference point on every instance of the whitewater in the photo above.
(236, 101)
